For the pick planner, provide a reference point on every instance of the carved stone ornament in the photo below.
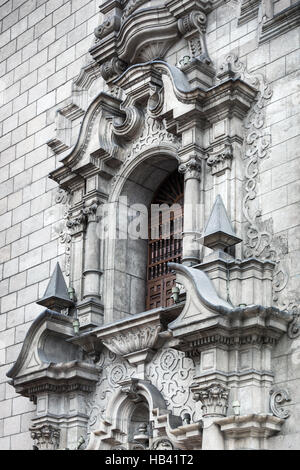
(214, 399)
(90, 210)
(76, 223)
(46, 436)
(154, 133)
(112, 23)
(172, 373)
(260, 241)
(277, 399)
(220, 161)
(191, 169)
(128, 126)
(131, 6)
(193, 27)
(129, 387)
(112, 68)
(162, 444)
(136, 339)
(155, 101)
(294, 327)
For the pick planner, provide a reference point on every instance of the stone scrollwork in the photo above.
(46, 437)
(64, 197)
(129, 126)
(294, 327)
(214, 399)
(113, 372)
(172, 373)
(154, 133)
(260, 241)
(277, 399)
(155, 101)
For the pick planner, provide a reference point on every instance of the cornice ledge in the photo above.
(46, 315)
(204, 305)
(58, 378)
(260, 425)
(280, 23)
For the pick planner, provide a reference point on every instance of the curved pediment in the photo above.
(95, 140)
(148, 32)
(45, 344)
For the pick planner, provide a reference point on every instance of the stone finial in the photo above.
(56, 296)
(218, 233)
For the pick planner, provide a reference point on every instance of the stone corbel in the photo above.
(248, 432)
(135, 339)
(193, 28)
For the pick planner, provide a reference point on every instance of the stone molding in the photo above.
(257, 426)
(276, 25)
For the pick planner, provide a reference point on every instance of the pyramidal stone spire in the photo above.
(56, 296)
(218, 233)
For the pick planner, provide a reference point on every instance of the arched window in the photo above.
(165, 240)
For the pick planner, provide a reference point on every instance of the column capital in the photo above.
(214, 399)
(191, 169)
(90, 209)
(46, 436)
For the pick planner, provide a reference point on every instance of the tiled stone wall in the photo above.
(43, 46)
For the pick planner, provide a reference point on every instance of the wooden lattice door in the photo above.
(166, 245)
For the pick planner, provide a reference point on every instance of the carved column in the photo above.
(90, 309)
(192, 174)
(92, 271)
(214, 400)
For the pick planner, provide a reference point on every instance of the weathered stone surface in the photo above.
(240, 141)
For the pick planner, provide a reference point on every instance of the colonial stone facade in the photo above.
(111, 338)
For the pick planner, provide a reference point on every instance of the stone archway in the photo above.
(126, 275)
